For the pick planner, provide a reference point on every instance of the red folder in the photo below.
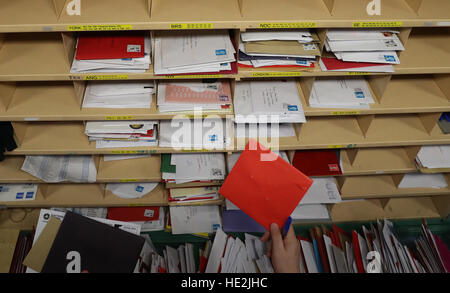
(317, 162)
(336, 64)
(134, 214)
(357, 251)
(110, 46)
(264, 186)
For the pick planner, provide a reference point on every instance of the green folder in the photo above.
(166, 167)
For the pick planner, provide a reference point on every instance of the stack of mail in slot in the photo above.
(193, 52)
(136, 94)
(209, 133)
(194, 95)
(297, 48)
(193, 177)
(367, 50)
(116, 134)
(351, 93)
(112, 52)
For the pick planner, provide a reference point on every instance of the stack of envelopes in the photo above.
(364, 50)
(115, 134)
(112, 52)
(297, 48)
(194, 95)
(136, 94)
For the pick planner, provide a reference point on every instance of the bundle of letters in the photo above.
(118, 95)
(176, 260)
(364, 50)
(194, 219)
(208, 133)
(297, 48)
(68, 168)
(190, 168)
(268, 102)
(194, 96)
(194, 52)
(116, 134)
(112, 52)
(338, 92)
(375, 250)
(434, 157)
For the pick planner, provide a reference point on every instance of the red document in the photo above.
(317, 162)
(264, 186)
(110, 46)
(134, 214)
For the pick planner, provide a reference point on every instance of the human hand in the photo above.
(284, 253)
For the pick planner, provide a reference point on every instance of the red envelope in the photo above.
(134, 214)
(317, 162)
(267, 191)
(110, 46)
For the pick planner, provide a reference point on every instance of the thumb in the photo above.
(277, 240)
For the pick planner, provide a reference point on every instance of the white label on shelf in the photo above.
(443, 23)
(31, 119)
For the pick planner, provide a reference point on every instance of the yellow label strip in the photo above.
(358, 73)
(100, 27)
(189, 26)
(338, 146)
(345, 113)
(377, 24)
(287, 24)
(128, 180)
(119, 118)
(193, 76)
(275, 74)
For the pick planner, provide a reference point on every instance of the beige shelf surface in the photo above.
(382, 186)
(396, 208)
(87, 195)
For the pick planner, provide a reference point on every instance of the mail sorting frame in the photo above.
(62, 100)
(241, 14)
(25, 57)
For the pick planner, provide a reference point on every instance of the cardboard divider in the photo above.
(352, 154)
(371, 161)
(443, 82)
(322, 34)
(284, 10)
(330, 5)
(33, 54)
(378, 85)
(145, 169)
(357, 210)
(429, 120)
(80, 88)
(20, 130)
(384, 186)
(305, 85)
(415, 4)
(198, 11)
(104, 11)
(411, 208)
(364, 123)
(10, 171)
(411, 152)
(442, 203)
(356, 9)
(397, 178)
(69, 41)
(7, 90)
(404, 37)
(59, 6)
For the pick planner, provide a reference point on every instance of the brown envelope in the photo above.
(39, 252)
(8, 240)
(282, 48)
